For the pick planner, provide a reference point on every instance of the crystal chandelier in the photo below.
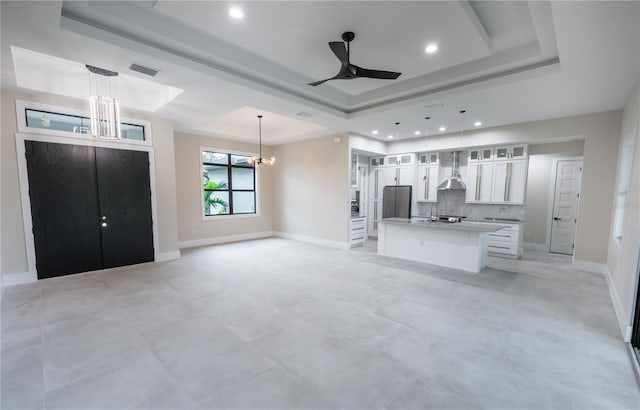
(105, 110)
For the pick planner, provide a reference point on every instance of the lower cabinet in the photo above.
(507, 242)
(357, 231)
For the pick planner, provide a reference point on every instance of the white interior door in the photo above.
(565, 206)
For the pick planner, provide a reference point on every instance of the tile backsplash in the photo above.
(453, 203)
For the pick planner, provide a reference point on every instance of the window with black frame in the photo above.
(229, 182)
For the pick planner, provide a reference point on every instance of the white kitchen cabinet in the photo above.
(509, 181)
(508, 152)
(483, 154)
(427, 183)
(429, 158)
(374, 216)
(377, 162)
(377, 181)
(398, 176)
(507, 242)
(479, 182)
(354, 170)
(357, 231)
(399, 160)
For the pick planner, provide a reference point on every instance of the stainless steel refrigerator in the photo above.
(396, 201)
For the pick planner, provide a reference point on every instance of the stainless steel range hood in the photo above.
(454, 182)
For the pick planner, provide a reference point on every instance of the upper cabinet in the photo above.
(507, 152)
(427, 183)
(377, 161)
(509, 181)
(428, 158)
(497, 175)
(400, 160)
(480, 154)
(354, 169)
(479, 182)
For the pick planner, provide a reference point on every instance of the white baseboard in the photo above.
(224, 239)
(623, 322)
(19, 278)
(313, 240)
(167, 256)
(536, 247)
(589, 266)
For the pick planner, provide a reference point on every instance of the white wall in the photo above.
(311, 190)
(13, 251)
(193, 229)
(622, 255)
(540, 188)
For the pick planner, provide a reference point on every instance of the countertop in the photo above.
(495, 220)
(460, 226)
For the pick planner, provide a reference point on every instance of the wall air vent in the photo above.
(144, 70)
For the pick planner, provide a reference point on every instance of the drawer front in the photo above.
(503, 235)
(504, 248)
(359, 237)
(357, 223)
(358, 231)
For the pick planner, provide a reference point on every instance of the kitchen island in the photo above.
(461, 245)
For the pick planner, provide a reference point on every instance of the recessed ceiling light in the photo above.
(374, 132)
(236, 13)
(431, 48)
(416, 133)
(390, 137)
(477, 123)
(441, 129)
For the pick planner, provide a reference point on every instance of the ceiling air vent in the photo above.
(144, 70)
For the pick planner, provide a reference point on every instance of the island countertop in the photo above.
(460, 226)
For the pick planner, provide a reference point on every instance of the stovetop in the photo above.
(447, 218)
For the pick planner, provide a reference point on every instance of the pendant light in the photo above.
(260, 160)
(104, 107)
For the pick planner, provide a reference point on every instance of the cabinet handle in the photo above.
(375, 191)
(509, 173)
(499, 247)
(478, 182)
(426, 184)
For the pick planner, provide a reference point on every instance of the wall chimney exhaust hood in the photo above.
(454, 182)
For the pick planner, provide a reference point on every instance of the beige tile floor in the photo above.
(281, 324)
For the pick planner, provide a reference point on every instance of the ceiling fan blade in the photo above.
(316, 83)
(340, 51)
(385, 75)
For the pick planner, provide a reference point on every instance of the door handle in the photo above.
(557, 219)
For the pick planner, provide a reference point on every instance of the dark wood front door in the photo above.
(124, 192)
(71, 188)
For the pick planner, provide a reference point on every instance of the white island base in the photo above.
(459, 245)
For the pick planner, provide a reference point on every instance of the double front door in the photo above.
(90, 207)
